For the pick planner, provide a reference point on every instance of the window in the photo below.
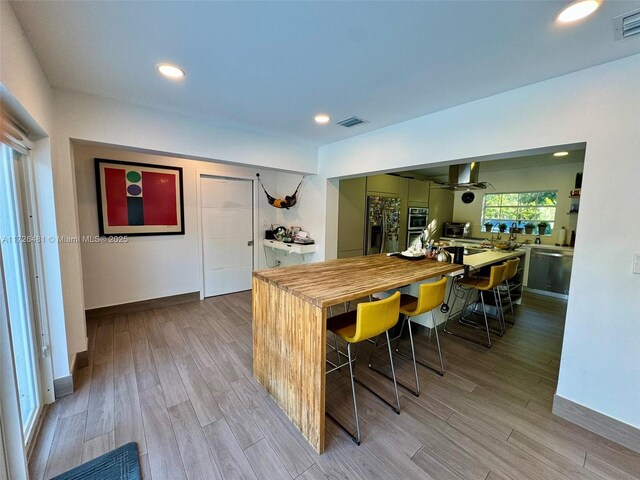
(520, 208)
(19, 291)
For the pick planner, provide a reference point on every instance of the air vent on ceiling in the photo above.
(352, 122)
(627, 25)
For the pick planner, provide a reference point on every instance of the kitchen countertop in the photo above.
(338, 281)
(473, 242)
(490, 257)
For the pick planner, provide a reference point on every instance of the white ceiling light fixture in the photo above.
(322, 118)
(170, 71)
(578, 10)
(561, 154)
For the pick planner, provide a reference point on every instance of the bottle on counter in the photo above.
(561, 236)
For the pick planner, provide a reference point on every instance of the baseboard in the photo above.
(63, 386)
(596, 422)
(82, 361)
(67, 385)
(143, 305)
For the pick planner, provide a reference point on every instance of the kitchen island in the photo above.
(472, 264)
(289, 325)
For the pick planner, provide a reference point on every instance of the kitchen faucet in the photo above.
(512, 232)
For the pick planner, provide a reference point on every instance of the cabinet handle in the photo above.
(550, 254)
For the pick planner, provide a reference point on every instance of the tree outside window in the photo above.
(520, 208)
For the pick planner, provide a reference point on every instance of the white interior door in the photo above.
(226, 206)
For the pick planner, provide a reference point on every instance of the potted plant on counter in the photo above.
(502, 227)
(488, 226)
(528, 228)
(542, 228)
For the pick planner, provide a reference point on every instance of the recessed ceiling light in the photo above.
(578, 10)
(170, 71)
(322, 118)
(561, 154)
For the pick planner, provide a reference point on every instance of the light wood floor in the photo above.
(177, 380)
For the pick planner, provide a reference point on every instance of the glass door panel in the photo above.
(17, 281)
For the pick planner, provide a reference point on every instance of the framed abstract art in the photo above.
(138, 198)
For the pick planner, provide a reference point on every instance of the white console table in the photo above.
(290, 248)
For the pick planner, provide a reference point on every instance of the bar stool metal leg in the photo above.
(353, 391)
(415, 360)
(393, 374)
(461, 320)
(396, 408)
(499, 312)
(435, 328)
(413, 357)
(513, 314)
(486, 320)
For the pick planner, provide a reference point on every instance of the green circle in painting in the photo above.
(133, 176)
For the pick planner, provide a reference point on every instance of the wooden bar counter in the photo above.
(289, 325)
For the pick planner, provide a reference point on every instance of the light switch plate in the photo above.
(636, 263)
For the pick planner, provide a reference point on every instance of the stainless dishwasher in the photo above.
(550, 272)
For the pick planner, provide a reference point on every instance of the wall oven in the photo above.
(417, 221)
(417, 218)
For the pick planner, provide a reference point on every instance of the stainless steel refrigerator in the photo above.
(383, 225)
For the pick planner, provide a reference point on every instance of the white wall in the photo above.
(553, 177)
(600, 366)
(308, 213)
(87, 118)
(25, 87)
(20, 72)
(151, 266)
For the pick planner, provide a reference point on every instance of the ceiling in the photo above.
(441, 173)
(271, 66)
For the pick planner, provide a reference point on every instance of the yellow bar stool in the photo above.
(369, 320)
(505, 287)
(482, 286)
(430, 296)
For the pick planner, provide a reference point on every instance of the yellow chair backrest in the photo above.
(430, 295)
(374, 318)
(512, 268)
(496, 277)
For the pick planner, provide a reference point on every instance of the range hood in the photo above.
(463, 177)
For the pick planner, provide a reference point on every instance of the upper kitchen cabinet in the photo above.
(418, 193)
(385, 185)
(351, 217)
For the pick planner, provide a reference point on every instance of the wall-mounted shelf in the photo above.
(575, 204)
(297, 248)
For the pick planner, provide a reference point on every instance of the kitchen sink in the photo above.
(467, 251)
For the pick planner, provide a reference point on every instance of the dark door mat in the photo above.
(119, 464)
